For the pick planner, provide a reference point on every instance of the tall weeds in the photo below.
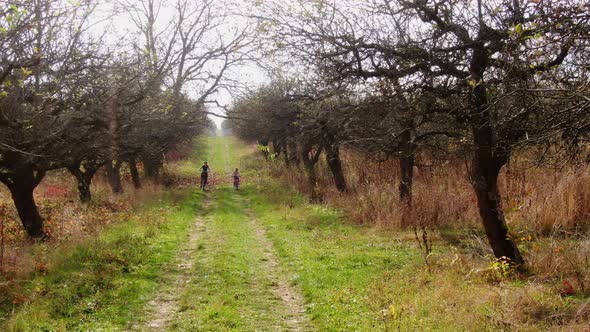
(547, 210)
(537, 200)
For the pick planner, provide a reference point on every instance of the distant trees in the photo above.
(69, 100)
(492, 77)
(266, 115)
(395, 121)
(298, 120)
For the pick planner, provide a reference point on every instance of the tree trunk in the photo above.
(264, 148)
(335, 164)
(488, 159)
(286, 156)
(309, 167)
(406, 166)
(152, 168)
(485, 172)
(311, 179)
(292, 152)
(84, 179)
(134, 174)
(277, 147)
(21, 183)
(114, 175)
(84, 190)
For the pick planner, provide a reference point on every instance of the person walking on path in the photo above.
(236, 176)
(204, 175)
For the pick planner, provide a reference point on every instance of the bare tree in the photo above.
(41, 54)
(190, 55)
(497, 61)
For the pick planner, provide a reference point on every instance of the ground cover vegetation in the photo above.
(104, 259)
(420, 165)
(350, 276)
(358, 270)
(84, 107)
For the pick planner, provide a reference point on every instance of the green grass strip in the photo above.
(103, 284)
(336, 264)
(229, 289)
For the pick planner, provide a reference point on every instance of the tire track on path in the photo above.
(166, 303)
(227, 156)
(296, 319)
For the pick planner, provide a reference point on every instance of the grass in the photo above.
(102, 284)
(335, 263)
(227, 152)
(229, 288)
(190, 165)
(365, 277)
(352, 277)
(102, 279)
(361, 278)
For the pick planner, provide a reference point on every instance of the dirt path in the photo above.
(296, 319)
(292, 299)
(163, 307)
(211, 271)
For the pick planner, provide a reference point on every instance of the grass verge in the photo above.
(102, 284)
(336, 264)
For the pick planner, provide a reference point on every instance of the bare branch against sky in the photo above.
(208, 48)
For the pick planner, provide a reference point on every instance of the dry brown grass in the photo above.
(548, 201)
(66, 220)
(548, 212)
(536, 200)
